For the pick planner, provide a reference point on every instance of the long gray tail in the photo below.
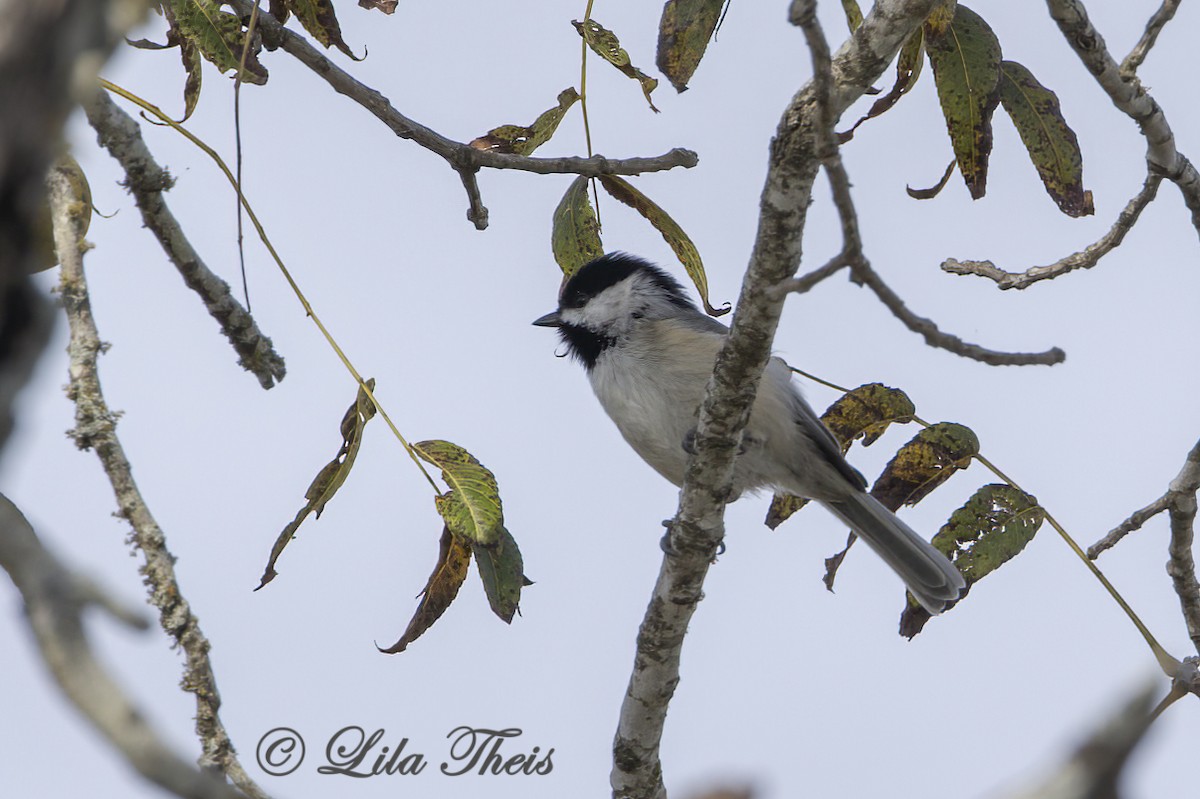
(929, 574)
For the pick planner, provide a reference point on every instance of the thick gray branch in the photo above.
(55, 600)
(698, 527)
(146, 180)
(95, 428)
(463, 158)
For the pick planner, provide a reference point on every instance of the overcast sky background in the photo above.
(784, 685)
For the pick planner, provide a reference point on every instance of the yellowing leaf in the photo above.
(990, 529)
(386, 6)
(854, 15)
(524, 140)
(866, 412)
(471, 507)
(683, 34)
(502, 571)
(218, 35)
(575, 232)
(1051, 143)
(454, 556)
(781, 509)
(924, 463)
(330, 478)
(606, 45)
(81, 197)
(965, 57)
(684, 249)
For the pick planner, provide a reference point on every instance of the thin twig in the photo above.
(937, 338)
(1130, 97)
(55, 599)
(95, 428)
(1134, 522)
(1084, 259)
(146, 181)
(462, 158)
(1157, 22)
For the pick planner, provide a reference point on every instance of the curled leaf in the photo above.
(936, 189)
(386, 6)
(605, 44)
(866, 412)
(965, 56)
(1049, 140)
(318, 18)
(575, 232)
(908, 69)
(924, 463)
(330, 478)
(502, 571)
(454, 556)
(524, 140)
(679, 241)
(471, 507)
(683, 34)
(990, 529)
(81, 206)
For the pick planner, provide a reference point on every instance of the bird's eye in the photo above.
(576, 299)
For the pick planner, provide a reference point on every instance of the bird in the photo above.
(649, 351)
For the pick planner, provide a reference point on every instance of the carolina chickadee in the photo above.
(649, 352)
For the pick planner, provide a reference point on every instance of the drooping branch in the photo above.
(1129, 96)
(1084, 259)
(698, 527)
(95, 428)
(118, 133)
(462, 158)
(55, 599)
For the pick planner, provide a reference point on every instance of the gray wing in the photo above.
(815, 429)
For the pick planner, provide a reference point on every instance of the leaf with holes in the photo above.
(605, 44)
(454, 556)
(471, 507)
(524, 140)
(575, 231)
(1049, 140)
(866, 412)
(684, 249)
(990, 529)
(330, 478)
(683, 35)
(924, 463)
(965, 56)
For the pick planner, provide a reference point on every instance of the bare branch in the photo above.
(698, 527)
(1084, 259)
(95, 428)
(462, 158)
(1182, 566)
(937, 338)
(55, 600)
(1134, 522)
(146, 181)
(1129, 96)
(1154, 27)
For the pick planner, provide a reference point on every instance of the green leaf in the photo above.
(679, 241)
(965, 57)
(218, 35)
(502, 572)
(524, 140)
(318, 18)
(575, 232)
(606, 45)
(683, 35)
(454, 556)
(924, 463)
(330, 478)
(990, 529)
(854, 14)
(908, 69)
(1051, 143)
(471, 507)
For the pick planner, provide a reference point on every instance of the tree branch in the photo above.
(95, 428)
(1182, 566)
(118, 133)
(1084, 259)
(698, 527)
(1154, 27)
(1129, 96)
(55, 600)
(462, 158)
(1134, 522)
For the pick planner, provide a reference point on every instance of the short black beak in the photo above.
(549, 320)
